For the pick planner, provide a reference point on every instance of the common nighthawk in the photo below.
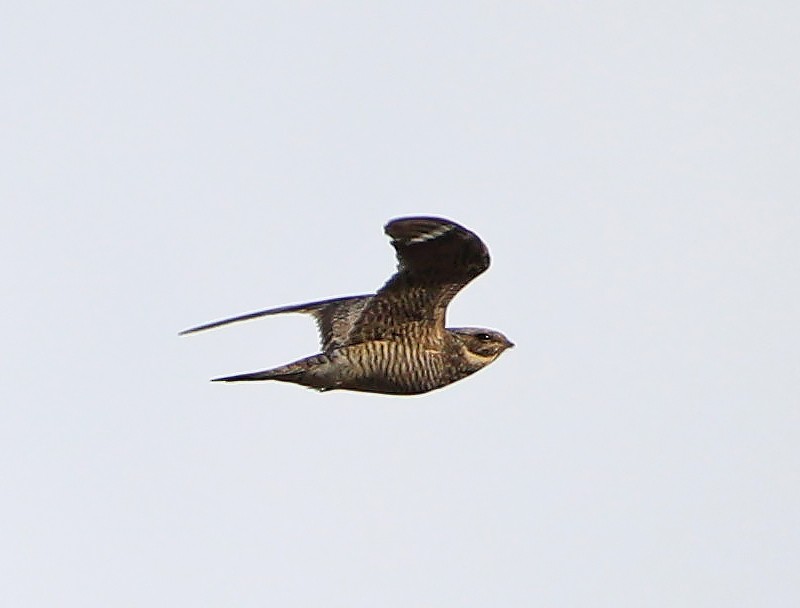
(395, 341)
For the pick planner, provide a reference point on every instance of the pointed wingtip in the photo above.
(191, 330)
(194, 330)
(309, 307)
(199, 328)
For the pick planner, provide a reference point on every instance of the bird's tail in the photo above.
(301, 371)
(285, 373)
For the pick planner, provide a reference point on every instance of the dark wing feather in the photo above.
(435, 259)
(335, 318)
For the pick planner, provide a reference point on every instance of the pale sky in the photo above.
(633, 168)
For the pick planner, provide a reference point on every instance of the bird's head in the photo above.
(480, 346)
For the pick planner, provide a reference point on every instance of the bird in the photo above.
(395, 341)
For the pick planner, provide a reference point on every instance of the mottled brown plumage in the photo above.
(395, 341)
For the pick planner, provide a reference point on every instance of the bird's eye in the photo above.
(484, 337)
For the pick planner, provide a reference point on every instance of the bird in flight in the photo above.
(395, 341)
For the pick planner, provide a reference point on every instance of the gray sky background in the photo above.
(633, 168)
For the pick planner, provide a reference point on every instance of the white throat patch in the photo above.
(475, 358)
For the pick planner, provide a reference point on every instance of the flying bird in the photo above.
(395, 341)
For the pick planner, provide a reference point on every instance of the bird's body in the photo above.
(395, 341)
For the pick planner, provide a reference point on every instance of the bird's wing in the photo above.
(335, 318)
(435, 259)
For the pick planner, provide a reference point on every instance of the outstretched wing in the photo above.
(435, 259)
(335, 318)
